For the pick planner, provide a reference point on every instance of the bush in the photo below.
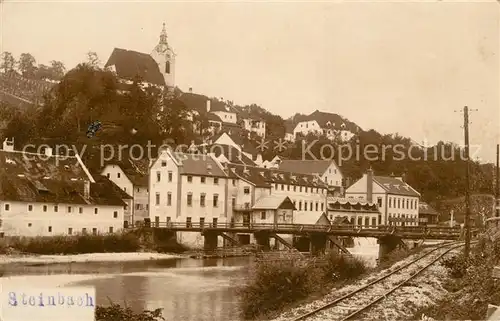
(74, 244)
(117, 313)
(278, 284)
(275, 285)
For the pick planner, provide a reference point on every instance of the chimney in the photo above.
(190, 90)
(48, 151)
(86, 189)
(208, 105)
(369, 185)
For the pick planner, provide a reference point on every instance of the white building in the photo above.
(253, 124)
(397, 201)
(47, 195)
(132, 177)
(318, 123)
(188, 188)
(156, 69)
(327, 170)
(358, 212)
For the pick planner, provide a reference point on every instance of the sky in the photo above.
(404, 67)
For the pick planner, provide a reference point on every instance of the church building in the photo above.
(156, 69)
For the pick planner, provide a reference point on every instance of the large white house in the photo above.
(47, 195)
(188, 188)
(318, 123)
(397, 201)
(132, 177)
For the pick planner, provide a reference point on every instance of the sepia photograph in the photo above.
(249, 160)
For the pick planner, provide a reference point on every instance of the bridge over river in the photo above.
(320, 236)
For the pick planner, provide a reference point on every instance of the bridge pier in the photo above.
(263, 240)
(317, 243)
(210, 241)
(387, 244)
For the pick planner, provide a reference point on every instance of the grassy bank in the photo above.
(470, 285)
(83, 244)
(279, 286)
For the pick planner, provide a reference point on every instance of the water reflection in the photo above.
(186, 289)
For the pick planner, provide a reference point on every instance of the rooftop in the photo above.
(130, 64)
(395, 186)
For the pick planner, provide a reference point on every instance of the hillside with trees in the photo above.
(140, 115)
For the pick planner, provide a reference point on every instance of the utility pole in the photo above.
(467, 183)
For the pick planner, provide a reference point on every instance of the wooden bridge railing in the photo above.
(305, 227)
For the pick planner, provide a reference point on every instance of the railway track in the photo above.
(353, 304)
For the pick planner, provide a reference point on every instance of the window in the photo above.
(96, 210)
(294, 188)
(203, 180)
(163, 164)
(190, 199)
(263, 215)
(190, 179)
(157, 198)
(282, 187)
(202, 200)
(115, 214)
(300, 189)
(84, 230)
(288, 187)
(56, 208)
(80, 210)
(379, 201)
(188, 221)
(276, 186)
(390, 202)
(118, 175)
(374, 221)
(167, 67)
(30, 208)
(7, 207)
(50, 229)
(322, 206)
(311, 206)
(407, 203)
(45, 208)
(216, 200)
(399, 203)
(110, 229)
(300, 206)
(307, 189)
(69, 209)
(70, 231)
(158, 176)
(94, 231)
(169, 176)
(169, 199)
(107, 175)
(246, 190)
(234, 182)
(216, 181)
(317, 206)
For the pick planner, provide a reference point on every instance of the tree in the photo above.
(8, 62)
(93, 60)
(26, 65)
(57, 69)
(173, 121)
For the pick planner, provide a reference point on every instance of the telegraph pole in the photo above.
(467, 183)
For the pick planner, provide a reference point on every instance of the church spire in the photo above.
(163, 35)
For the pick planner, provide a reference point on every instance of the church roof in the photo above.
(130, 64)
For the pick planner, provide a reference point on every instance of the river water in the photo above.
(186, 289)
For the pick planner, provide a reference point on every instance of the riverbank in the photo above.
(86, 258)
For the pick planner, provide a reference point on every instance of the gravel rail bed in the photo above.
(358, 300)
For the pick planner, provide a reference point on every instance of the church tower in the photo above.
(164, 56)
